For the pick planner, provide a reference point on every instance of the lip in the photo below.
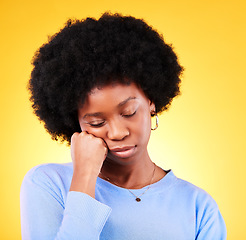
(123, 152)
(121, 149)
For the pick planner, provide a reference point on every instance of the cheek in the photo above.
(82, 127)
(143, 126)
(97, 132)
(145, 120)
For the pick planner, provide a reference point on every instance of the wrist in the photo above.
(84, 182)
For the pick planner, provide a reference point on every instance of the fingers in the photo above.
(87, 147)
(90, 136)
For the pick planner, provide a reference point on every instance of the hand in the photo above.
(88, 152)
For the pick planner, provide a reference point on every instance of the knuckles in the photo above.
(87, 149)
(87, 138)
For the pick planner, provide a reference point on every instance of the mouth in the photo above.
(123, 152)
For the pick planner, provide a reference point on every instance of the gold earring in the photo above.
(156, 123)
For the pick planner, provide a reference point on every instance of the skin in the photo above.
(116, 124)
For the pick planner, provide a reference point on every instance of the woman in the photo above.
(96, 84)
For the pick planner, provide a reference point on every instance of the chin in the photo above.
(119, 160)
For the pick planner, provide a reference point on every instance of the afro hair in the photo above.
(90, 53)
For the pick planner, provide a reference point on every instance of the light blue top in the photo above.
(172, 209)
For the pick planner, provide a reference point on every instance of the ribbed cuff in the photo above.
(91, 212)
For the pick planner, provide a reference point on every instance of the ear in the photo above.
(152, 108)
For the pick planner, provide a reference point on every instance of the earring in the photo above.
(156, 123)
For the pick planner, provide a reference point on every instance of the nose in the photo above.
(117, 130)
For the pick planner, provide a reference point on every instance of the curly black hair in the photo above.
(89, 53)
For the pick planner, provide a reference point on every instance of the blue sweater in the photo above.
(172, 209)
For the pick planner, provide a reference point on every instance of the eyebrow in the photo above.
(125, 101)
(98, 114)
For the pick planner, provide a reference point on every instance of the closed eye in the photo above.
(129, 115)
(100, 124)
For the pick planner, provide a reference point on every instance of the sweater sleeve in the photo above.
(47, 214)
(212, 225)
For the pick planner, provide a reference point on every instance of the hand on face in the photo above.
(88, 153)
(115, 118)
(120, 114)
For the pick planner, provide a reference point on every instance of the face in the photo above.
(121, 115)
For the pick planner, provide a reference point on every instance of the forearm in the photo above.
(84, 182)
(48, 214)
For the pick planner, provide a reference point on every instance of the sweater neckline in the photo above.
(162, 185)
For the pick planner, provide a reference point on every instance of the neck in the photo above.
(132, 176)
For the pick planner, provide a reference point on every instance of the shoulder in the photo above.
(191, 193)
(49, 176)
(49, 170)
(203, 207)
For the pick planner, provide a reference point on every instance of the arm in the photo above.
(212, 225)
(47, 214)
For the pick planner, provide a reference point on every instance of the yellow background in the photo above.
(201, 137)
